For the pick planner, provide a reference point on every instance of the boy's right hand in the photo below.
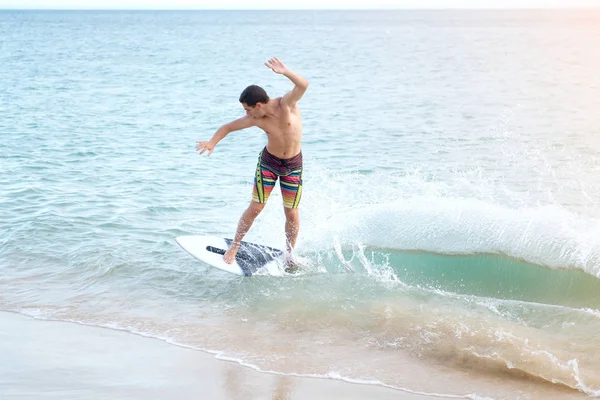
(205, 146)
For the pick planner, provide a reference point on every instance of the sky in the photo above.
(289, 4)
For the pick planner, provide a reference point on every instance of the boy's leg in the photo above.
(264, 181)
(244, 225)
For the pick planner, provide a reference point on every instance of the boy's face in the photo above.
(254, 112)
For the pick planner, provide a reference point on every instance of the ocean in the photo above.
(450, 219)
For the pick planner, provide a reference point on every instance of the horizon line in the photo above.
(569, 7)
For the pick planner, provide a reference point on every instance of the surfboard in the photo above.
(251, 257)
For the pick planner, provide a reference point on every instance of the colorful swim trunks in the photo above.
(289, 172)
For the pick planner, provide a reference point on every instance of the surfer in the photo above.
(280, 119)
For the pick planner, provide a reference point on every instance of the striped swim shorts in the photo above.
(289, 172)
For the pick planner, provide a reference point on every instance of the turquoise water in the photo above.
(450, 212)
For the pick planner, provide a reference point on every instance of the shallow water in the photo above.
(450, 215)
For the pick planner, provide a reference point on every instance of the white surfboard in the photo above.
(251, 257)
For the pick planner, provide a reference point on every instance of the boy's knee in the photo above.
(292, 215)
(255, 208)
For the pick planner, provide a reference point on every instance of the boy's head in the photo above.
(253, 98)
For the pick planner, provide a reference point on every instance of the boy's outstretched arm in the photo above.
(240, 123)
(300, 83)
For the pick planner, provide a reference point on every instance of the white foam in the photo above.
(548, 235)
(336, 376)
(590, 311)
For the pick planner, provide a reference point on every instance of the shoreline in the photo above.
(60, 359)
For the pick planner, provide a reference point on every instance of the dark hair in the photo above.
(254, 94)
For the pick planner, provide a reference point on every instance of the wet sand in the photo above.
(62, 360)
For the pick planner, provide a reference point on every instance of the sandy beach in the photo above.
(62, 360)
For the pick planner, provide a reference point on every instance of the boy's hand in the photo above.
(276, 65)
(205, 146)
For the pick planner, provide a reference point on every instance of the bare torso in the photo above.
(283, 126)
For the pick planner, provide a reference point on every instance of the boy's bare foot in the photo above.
(230, 254)
(290, 265)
